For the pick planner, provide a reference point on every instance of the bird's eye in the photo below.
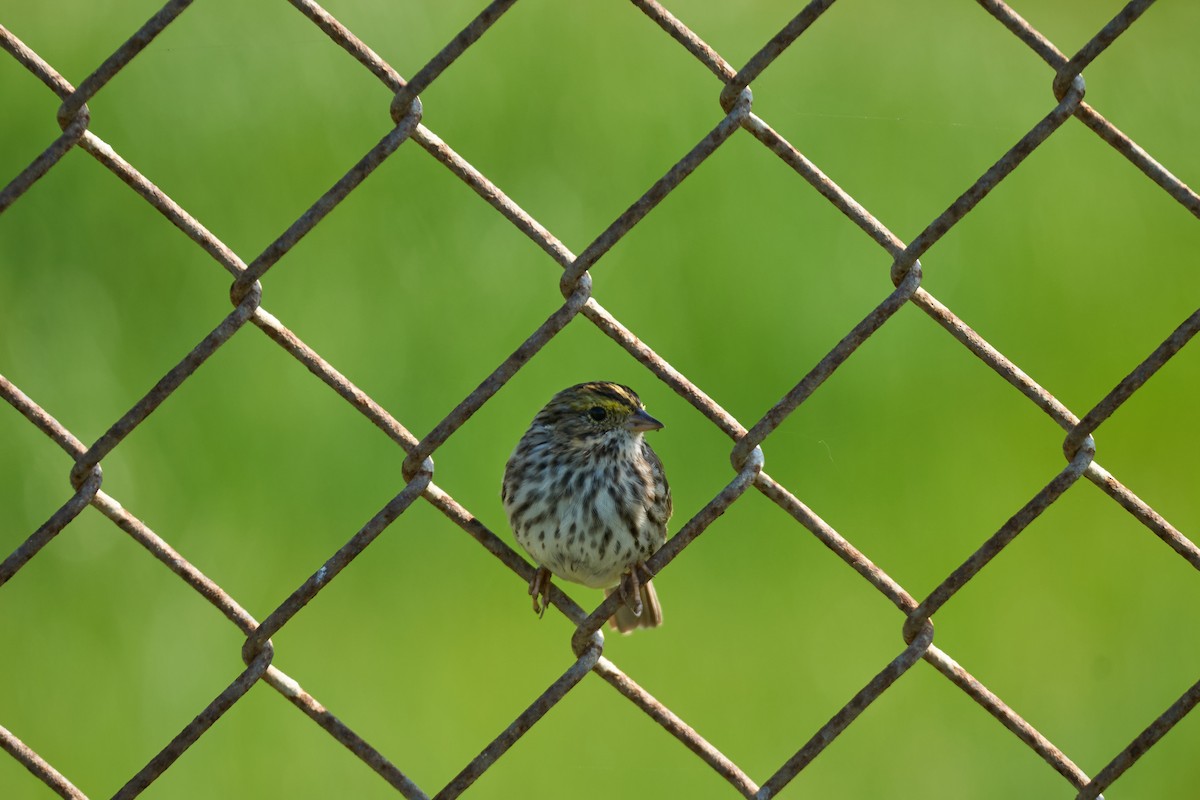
(597, 413)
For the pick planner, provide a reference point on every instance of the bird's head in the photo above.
(590, 410)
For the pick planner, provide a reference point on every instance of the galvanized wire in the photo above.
(746, 454)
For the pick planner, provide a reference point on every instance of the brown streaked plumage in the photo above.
(587, 498)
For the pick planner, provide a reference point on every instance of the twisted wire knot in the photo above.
(69, 115)
(411, 470)
(405, 104)
(254, 648)
(736, 97)
(903, 269)
(83, 472)
(747, 454)
(581, 644)
(1069, 81)
(240, 293)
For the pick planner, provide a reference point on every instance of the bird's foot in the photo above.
(630, 587)
(539, 590)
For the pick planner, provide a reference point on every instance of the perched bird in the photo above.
(587, 498)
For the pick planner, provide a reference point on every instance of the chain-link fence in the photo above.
(738, 119)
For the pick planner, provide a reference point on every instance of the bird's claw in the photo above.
(539, 590)
(631, 587)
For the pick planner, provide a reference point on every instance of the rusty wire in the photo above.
(746, 453)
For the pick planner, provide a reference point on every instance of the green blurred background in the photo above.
(1076, 267)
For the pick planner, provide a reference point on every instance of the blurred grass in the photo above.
(1075, 267)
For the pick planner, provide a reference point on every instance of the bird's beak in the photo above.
(641, 421)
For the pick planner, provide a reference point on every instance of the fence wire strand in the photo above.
(746, 454)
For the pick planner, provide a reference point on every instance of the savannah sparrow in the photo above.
(587, 498)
